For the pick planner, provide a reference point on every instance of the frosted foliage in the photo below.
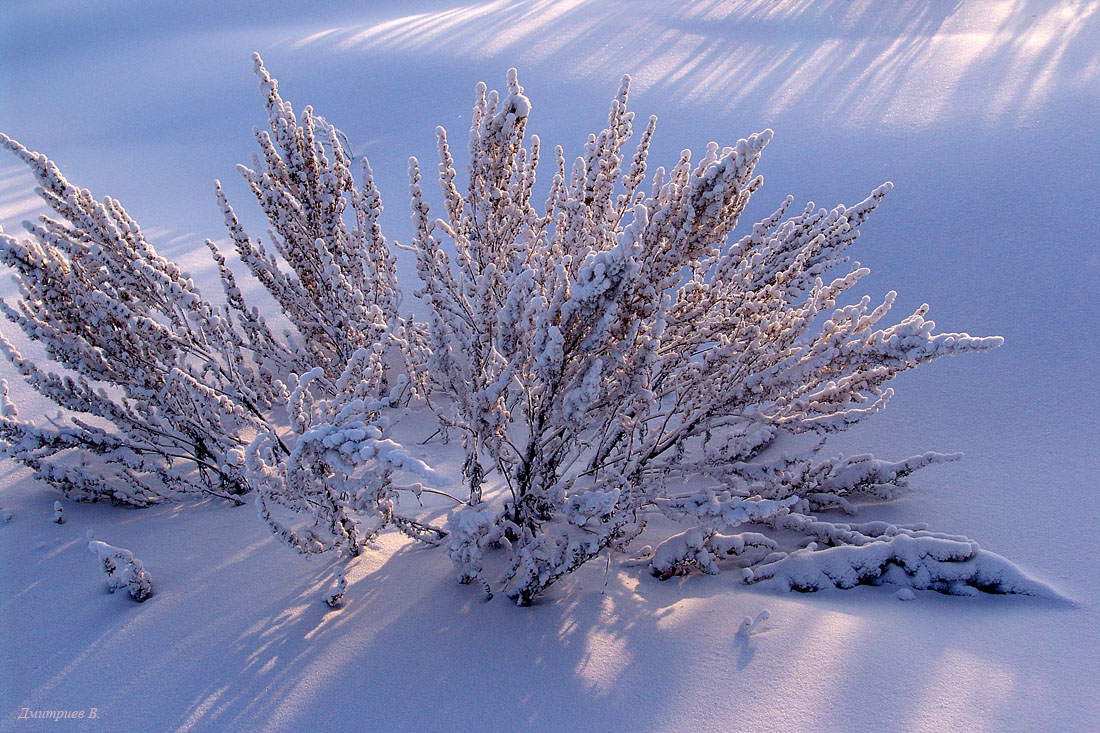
(597, 349)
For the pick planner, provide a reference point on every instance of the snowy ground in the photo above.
(985, 115)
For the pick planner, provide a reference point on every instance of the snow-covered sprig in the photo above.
(336, 488)
(123, 570)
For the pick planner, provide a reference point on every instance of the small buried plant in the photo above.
(123, 570)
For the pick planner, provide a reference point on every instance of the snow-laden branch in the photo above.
(332, 272)
(159, 390)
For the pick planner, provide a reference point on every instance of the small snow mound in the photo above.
(905, 594)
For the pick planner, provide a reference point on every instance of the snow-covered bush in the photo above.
(598, 350)
(157, 382)
(177, 387)
(612, 354)
(123, 570)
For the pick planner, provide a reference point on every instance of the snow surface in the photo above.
(983, 113)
